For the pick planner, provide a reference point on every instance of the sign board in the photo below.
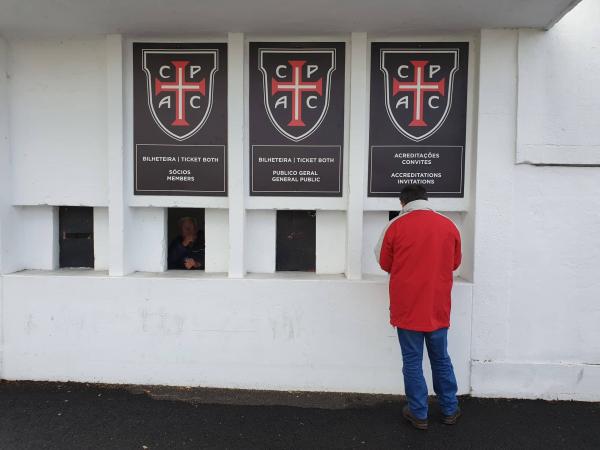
(418, 117)
(296, 95)
(180, 119)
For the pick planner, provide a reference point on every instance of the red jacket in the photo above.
(420, 250)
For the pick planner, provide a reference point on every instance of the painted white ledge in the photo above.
(546, 380)
(284, 331)
(201, 275)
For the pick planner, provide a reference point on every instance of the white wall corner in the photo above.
(5, 188)
(556, 118)
(6, 210)
(494, 201)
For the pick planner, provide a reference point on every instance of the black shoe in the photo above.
(417, 423)
(452, 419)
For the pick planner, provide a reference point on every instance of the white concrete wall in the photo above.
(261, 234)
(90, 100)
(330, 246)
(216, 225)
(374, 223)
(130, 236)
(536, 291)
(530, 239)
(147, 246)
(30, 238)
(559, 102)
(179, 329)
(57, 121)
(35, 242)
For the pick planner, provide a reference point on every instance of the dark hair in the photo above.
(185, 219)
(412, 193)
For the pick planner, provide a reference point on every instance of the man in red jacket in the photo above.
(420, 249)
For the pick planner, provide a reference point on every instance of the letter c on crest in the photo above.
(161, 71)
(277, 71)
(400, 71)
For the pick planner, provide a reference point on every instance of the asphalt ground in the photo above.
(39, 415)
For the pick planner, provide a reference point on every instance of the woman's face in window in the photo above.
(188, 229)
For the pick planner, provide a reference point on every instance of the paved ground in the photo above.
(87, 416)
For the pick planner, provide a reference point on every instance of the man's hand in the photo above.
(187, 240)
(190, 263)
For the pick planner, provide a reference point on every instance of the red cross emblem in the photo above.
(180, 88)
(297, 85)
(418, 88)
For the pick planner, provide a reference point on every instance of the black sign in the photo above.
(180, 119)
(418, 117)
(296, 118)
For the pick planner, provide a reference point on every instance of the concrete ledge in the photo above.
(204, 276)
(532, 380)
(276, 334)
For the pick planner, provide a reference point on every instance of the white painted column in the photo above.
(118, 210)
(359, 120)
(5, 182)
(495, 205)
(235, 160)
(6, 212)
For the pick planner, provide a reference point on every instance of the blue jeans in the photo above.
(444, 381)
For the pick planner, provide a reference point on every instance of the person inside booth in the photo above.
(186, 251)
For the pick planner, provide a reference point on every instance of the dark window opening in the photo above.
(186, 239)
(296, 241)
(76, 236)
(393, 214)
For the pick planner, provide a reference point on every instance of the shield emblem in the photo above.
(296, 88)
(418, 88)
(180, 88)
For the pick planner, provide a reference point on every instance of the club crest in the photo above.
(297, 88)
(418, 88)
(180, 88)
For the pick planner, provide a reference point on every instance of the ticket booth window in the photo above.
(76, 236)
(186, 239)
(296, 241)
